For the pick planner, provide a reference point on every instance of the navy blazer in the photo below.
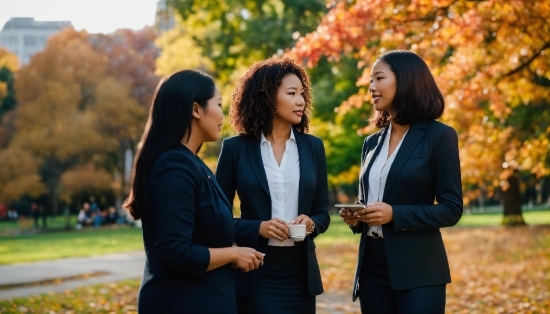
(186, 213)
(425, 191)
(240, 169)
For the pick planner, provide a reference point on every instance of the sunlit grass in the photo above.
(72, 243)
(89, 242)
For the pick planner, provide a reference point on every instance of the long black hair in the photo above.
(169, 120)
(417, 97)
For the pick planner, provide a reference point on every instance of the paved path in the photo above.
(113, 267)
(119, 266)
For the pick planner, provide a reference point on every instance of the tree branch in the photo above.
(528, 61)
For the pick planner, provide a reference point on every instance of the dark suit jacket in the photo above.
(426, 170)
(186, 213)
(240, 169)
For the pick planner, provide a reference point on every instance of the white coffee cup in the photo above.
(297, 231)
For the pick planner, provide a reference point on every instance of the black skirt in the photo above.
(283, 287)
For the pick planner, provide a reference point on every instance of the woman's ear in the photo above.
(197, 110)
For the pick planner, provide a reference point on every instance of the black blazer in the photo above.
(186, 213)
(240, 169)
(426, 170)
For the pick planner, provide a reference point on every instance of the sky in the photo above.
(95, 16)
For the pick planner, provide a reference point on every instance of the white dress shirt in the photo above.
(379, 174)
(283, 181)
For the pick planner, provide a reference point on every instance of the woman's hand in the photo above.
(348, 217)
(274, 229)
(304, 220)
(375, 214)
(247, 259)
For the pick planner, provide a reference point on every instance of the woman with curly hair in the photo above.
(280, 175)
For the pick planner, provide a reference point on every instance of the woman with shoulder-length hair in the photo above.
(410, 186)
(187, 220)
(280, 175)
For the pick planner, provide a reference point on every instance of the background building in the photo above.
(24, 36)
(164, 18)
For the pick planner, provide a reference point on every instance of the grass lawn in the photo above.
(494, 270)
(89, 241)
(70, 243)
(53, 222)
(538, 217)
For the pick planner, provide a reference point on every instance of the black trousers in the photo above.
(283, 287)
(377, 296)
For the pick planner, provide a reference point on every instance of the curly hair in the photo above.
(253, 107)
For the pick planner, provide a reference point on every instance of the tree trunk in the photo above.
(511, 198)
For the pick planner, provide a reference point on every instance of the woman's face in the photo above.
(290, 100)
(383, 86)
(211, 118)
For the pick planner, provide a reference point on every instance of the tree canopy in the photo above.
(490, 58)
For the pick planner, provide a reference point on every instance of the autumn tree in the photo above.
(491, 58)
(74, 112)
(131, 70)
(226, 37)
(8, 66)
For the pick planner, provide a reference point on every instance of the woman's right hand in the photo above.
(247, 259)
(348, 217)
(274, 229)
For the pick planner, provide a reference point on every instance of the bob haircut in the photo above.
(169, 120)
(417, 97)
(253, 107)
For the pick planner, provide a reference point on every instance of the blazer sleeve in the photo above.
(174, 184)
(319, 207)
(246, 231)
(448, 191)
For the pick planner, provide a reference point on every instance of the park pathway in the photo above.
(22, 280)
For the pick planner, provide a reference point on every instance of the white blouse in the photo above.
(378, 175)
(283, 181)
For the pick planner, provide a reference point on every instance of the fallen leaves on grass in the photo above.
(120, 297)
(494, 269)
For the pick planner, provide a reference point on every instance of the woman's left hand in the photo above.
(375, 214)
(304, 220)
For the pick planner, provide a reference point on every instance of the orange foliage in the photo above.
(487, 57)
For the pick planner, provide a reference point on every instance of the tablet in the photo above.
(352, 207)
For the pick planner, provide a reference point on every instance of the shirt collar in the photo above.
(263, 139)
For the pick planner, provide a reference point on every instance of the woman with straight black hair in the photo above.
(187, 221)
(410, 186)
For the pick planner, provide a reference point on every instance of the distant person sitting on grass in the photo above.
(83, 219)
(111, 216)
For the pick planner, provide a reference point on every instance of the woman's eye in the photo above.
(292, 93)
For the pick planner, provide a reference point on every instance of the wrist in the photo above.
(312, 228)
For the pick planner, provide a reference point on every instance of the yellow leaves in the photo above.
(18, 175)
(8, 60)
(85, 178)
(179, 51)
(349, 176)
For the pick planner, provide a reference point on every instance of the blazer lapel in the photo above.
(415, 133)
(257, 164)
(303, 155)
(369, 159)
(213, 181)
